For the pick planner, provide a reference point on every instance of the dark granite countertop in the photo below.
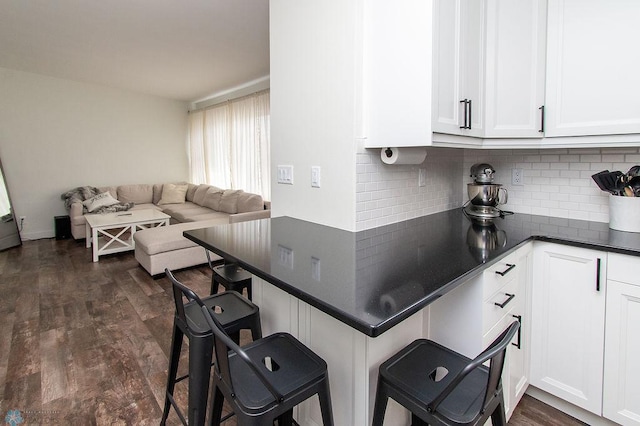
(374, 279)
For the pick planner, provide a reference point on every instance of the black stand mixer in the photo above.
(484, 195)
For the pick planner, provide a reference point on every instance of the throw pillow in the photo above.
(101, 200)
(173, 193)
(229, 202)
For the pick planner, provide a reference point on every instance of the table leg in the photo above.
(87, 235)
(94, 238)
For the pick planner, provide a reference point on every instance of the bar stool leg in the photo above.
(200, 355)
(174, 357)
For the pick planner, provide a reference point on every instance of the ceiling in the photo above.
(183, 50)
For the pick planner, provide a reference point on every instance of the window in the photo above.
(229, 145)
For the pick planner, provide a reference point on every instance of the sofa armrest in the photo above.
(75, 212)
(243, 217)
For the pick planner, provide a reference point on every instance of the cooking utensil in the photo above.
(634, 184)
(609, 181)
(633, 171)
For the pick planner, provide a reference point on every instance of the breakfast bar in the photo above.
(355, 298)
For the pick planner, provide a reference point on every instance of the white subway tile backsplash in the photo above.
(557, 182)
(571, 190)
(395, 190)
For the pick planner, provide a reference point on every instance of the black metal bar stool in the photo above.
(442, 387)
(233, 311)
(231, 276)
(265, 379)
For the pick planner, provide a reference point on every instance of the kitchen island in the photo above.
(356, 298)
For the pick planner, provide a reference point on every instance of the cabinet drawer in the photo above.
(498, 275)
(623, 268)
(499, 304)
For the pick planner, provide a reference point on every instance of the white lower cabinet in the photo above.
(621, 401)
(567, 324)
(470, 317)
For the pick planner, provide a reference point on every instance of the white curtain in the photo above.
(229, 145)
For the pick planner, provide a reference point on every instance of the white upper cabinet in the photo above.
(397, 69)
(488, 78)
(592, 68)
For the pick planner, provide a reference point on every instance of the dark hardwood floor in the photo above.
(85, 343)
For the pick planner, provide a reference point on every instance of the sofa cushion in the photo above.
(138, 194)
(191, 191)
(200, 192)
(173, 193)
(172, 209)
(207, 216)
(248, 202)
(146, 206)
(101, 200)
(212, 198)
(229, 202)
(186, 214)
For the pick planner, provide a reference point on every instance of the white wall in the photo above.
(58, 134)
(313, 108)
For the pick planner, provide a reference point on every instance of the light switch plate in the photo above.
(315, 176)
(285, 175)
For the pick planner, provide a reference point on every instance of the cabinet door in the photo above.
(567, 324)
(592, 68)
(515, 67)
(489, 53)
(621, 401)
(458, 55)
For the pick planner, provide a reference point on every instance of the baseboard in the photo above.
(568, 408)
(28, 236)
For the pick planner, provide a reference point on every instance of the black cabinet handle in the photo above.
(506, 302)
(598, 266)
(467, 113)
(510, 266)
(519, 318)
(541, 119)
(464, 124)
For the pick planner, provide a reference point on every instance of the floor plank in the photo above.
(86, 343)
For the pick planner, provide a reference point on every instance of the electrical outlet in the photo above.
(422, 177)
(517, 177)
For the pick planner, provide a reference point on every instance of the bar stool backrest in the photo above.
(496, 353)
(223, 345)
(180, 291)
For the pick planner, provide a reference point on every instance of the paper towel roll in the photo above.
(403, 155)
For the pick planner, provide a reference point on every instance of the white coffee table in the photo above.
(113, 232)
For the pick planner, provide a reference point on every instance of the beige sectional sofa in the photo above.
(201, 206)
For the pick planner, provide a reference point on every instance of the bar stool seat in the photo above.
(233, 311)
(442, 387)
(230, 275)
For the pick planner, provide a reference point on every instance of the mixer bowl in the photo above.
(486, 194)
